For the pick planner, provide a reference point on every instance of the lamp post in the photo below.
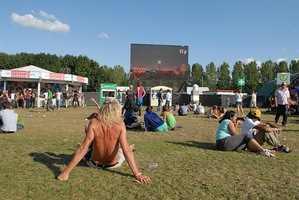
(159, 62)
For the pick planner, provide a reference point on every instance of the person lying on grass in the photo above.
(228, 138)
(105, 145)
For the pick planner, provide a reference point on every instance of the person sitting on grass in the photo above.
(105, 145)
(228, 138)
(131, 119)
(168, 117)
(213, 112)
(152, 122)
(8, 120)
(263, 131)
(20, 121)
(183, 111)
(200, 109)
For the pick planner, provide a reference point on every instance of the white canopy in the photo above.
(35, 74)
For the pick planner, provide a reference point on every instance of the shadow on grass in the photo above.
(50, 160)
(201, 145)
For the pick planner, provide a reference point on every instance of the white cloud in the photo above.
(248, 60)
(283, 50)
(42, 21)
(103, 35)
(280, 60)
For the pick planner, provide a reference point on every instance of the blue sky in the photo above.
(215, 30)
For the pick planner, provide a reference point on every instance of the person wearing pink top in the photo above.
(140, 94)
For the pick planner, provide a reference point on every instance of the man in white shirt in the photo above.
(58, 99)
(282, 99)
(168, 98)
(263, 131)
(253, 100)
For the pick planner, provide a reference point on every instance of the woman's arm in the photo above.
(232, 127)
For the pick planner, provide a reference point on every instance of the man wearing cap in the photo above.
(263, 131)
(282, 99)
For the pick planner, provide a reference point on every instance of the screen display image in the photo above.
(155, 65)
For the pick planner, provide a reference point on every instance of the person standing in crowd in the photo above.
(168, 98)
(160, 100)
(130, 99)
(48, 99)
(282, 99)
(140, 94)
(253, 100)
(119, 96)
(13, 99)
(239, 102)
(27, 98)
(58, 99)
(32, 99)
(75, 99)
(21, 100)
(227, 102)
(83, 100)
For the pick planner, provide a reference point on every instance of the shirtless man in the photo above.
(107, 133)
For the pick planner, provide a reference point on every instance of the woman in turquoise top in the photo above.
(228, 138)
(168, 117)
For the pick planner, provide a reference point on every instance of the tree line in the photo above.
(68, 64)
(212, 76)
(255, 76)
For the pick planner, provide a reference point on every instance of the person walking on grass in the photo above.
(282, 99)
(105, 145)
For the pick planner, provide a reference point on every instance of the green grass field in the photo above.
(189, 167)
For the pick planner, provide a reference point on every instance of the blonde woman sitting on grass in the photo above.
(168, 117)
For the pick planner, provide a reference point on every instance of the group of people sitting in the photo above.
(216, 112)
(254, 134)
(152, 121)
(183, 109)
(102, 151)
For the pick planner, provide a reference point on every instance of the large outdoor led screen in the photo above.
(159, 65)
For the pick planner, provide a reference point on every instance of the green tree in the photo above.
(267, 72)
(68, 64)
(251, 74)
(82, 67)
(211, 76)
(281, 67)
(224, 79)
(197, 74)
(294, 66)
(237, 74)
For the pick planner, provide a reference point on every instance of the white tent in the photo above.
(35, 74)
